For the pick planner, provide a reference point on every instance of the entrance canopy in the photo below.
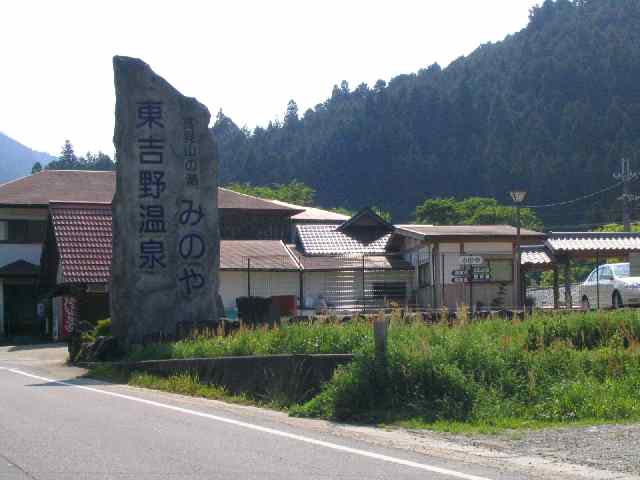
(562, 246)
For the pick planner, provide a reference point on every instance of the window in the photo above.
(424, 275)
(389, 290)
(501, 270)
(22, 231)
(606, 273)
(621, 269)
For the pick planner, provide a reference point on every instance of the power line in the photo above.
(575, 200)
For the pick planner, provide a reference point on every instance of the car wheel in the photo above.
(616, 302)
(586, 306)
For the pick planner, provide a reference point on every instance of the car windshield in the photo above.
(621, 269)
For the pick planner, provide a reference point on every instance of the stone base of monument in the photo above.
(103, 349)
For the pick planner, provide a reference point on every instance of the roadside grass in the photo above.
(326, 336)
(183, 384)
(469, 377)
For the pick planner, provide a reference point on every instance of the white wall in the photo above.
(263, 284)
(12, 252)
(489, 247)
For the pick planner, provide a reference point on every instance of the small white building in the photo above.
(435, 251)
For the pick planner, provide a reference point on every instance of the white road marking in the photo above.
(271, 431)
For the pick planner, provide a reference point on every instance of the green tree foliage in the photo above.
(67, 160)
(293, 192)
(37, 168)
(473, 211)
(551, 108)
(386, 216)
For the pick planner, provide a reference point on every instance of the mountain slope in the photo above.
(16, 160)
(551, 108)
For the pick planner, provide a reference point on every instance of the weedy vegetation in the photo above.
(488, 375)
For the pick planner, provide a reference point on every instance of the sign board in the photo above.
(459, 279)
(483, 269)
(470, 260)
(482, 276)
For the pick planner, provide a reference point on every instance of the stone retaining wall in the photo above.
(295, 376)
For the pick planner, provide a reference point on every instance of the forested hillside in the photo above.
(551, 108)
(16, 160)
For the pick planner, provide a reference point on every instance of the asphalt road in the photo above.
(83, 429)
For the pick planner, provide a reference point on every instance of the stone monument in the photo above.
(165, 214)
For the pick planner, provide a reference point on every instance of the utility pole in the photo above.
(626, 176)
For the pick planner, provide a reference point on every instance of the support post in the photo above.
(471, 289)
(364, 295)
(301, 302)
(598, 280)
(556, 288)
(517, 275)
(567, 285)
(249, 277)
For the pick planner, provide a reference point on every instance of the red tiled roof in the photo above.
(82, 186)
(83, 236)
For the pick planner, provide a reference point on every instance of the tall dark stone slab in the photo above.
(165, 214)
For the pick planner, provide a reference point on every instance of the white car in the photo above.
(613, 285)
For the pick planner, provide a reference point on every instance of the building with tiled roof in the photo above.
(24, 209)
(330, 240)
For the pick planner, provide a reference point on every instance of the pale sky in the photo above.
(248, 57)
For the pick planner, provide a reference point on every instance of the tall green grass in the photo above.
(548, 369)
(582, 367)
(299, 338)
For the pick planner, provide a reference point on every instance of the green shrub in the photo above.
(103, 328)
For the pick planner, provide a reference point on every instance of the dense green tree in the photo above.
(37, 168)
(473, 211)
(67, 160)
(293, 192)
(551, 109)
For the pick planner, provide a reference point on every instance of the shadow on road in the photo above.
(78, 381)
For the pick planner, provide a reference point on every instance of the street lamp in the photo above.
(518, 197)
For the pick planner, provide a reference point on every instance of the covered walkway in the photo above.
(562, 248)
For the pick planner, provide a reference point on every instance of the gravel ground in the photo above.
(615, 448)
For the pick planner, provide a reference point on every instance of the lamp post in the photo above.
(518, 197)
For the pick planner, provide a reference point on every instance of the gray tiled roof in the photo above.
(535, 255)
(593, 242)
(264, 254)
(328, 240)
